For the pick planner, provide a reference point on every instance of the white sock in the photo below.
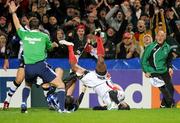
(11, 92)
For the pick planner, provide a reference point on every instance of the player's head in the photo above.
(123, 106)
(160, 37)
(69, 101)
(34, 23)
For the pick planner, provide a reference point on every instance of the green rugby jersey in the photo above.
(156, 59)
(35, 45)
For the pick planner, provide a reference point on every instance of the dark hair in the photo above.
(123, 106)
(69, 102)
(34, 23)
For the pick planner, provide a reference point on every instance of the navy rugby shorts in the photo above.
(40, 69)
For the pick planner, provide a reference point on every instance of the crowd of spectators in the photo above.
(127, 26)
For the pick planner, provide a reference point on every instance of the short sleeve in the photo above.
(22, 32)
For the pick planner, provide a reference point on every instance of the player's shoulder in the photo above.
(38, 32)
(21, 29)
(42, 34)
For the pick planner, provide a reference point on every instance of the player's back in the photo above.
(91, 79)
(35, 44)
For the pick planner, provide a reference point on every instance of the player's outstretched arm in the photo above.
(12, 10)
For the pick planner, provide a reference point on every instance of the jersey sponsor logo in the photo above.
(32, 40)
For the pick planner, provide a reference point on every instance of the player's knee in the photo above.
(58, 83)
(59, 73)
(20, 76)
(19, 80)
(59, 70)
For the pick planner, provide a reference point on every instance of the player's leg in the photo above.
(30, 78)
(50, 90)
(55, 80)
(25, 94)
(70, 82)
(166, 95)
(116, 93)
(60, 87)
(101, 66)
(47, 87)
(59, 73)
(60, 91)
(16, 83)
(72, 57)
(170, 88)
(111, 105)
(70, 87)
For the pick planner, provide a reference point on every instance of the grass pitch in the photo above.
(43, 115)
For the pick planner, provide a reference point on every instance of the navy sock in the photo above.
(61, 98)
(25, 94)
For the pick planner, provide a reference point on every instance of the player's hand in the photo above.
(6, 64)
(54, 44)
(171, 72)
(6, 3)
(84, 88)
(12, 7)
(148, 75)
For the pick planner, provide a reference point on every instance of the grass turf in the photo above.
(43, 115)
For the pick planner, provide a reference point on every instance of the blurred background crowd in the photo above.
(127, 26)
